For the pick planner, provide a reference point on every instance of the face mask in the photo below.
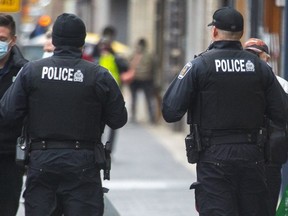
(47, 54)
(4, 47)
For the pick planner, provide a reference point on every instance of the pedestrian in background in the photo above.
(11, 61)
(141, 62)
(107, 60)
(48, 47)
(108, 35)
(105, 55)
(41, 27)
(67, 101)
(277, 142)
(227, 91)
(260, 48)
(105, 46)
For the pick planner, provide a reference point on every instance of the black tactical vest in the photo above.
(63, 102)
(230, 91)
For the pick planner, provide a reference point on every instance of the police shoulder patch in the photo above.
(184, 70)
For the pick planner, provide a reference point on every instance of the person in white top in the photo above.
(260, 48)
(275, 147)
(283, 83)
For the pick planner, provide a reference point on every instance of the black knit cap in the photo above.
(68, 30)
(227, 19)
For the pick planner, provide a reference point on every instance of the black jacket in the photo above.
(226, 88)
(9, 133)
(65, 98)
(227, 91)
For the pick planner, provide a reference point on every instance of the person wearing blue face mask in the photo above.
(4, 48)
(11, 61)
(65, 150)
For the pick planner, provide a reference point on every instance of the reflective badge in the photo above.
(250, 66)
(78, 76)
(184, 70)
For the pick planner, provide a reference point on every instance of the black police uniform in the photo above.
(228, 91)
(11, 174)
(67, 101)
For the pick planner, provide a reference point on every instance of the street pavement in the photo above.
(150, 174)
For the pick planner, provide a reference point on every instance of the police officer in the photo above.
(67, 101)
(226, 92)
(277, 141)
(11, 61)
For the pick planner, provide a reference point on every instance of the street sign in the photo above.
(10, 5)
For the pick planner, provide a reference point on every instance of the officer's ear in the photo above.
(214, 33)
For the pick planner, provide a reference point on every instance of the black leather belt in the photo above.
(42, 145)
(231, 139)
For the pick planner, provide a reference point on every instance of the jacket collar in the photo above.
(16, 58)
(236, 45)
(14, 62)
(68, 51)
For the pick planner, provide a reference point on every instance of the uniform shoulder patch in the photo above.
(184, 70)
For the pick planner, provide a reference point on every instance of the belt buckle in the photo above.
(43, 145)
(249, 137)
(77, 145)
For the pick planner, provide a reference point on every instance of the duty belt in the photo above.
(43, 145)
(248, 138)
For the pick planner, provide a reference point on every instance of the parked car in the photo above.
(32, 49)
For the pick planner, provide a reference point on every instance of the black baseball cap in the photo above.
(227, 19)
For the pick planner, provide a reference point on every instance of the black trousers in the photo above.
(273, 175)
(232, 189)
(232, 181)
(11, 179)
(147, 87)
(63, 181)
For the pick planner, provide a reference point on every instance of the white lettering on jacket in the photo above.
(234, 65)
(63, 74)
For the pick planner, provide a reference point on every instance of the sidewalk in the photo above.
(150, 174)
(173, 141)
